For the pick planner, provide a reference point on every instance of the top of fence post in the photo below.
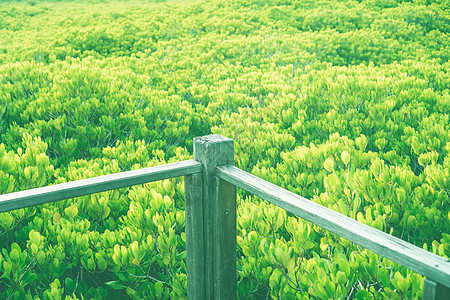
(219, 221)
(214, 150)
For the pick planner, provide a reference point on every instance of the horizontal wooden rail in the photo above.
(419, 260)
(94, 185)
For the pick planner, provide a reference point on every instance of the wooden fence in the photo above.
(210, 191)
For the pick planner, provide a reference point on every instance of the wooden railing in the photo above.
(210, 206)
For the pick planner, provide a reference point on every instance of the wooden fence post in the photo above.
(435, 291)
(195, 265)
(211, 223)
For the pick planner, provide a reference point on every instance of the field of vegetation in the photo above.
(346, 103)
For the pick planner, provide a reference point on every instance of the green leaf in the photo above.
(69, 285)
(159, 288)
(362, 295)
(401, 283)
(330, 288)
(106, 212)
(7, 267)
(275, 279)
(331, 182)
(320, 291)
(378, 224)
(132, 293)
(308, 245)
(35, 237)
(329, 164)
(122, 276)
(117, 285)
(282, 256)
(28, 278)
(341, 278)
(41, 257)
(252, 237)
(404, 284)
(345, 156)
(102, 264)
(14, 255)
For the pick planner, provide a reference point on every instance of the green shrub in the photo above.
(342, 102)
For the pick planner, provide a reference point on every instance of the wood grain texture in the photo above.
(435, 291)
(219, 218)
(224, 247)
(95, 185)
(423, 262)
(195, 245)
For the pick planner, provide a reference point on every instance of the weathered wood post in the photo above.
(435, 291)
(211, 223)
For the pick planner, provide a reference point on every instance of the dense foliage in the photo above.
(343, 102)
